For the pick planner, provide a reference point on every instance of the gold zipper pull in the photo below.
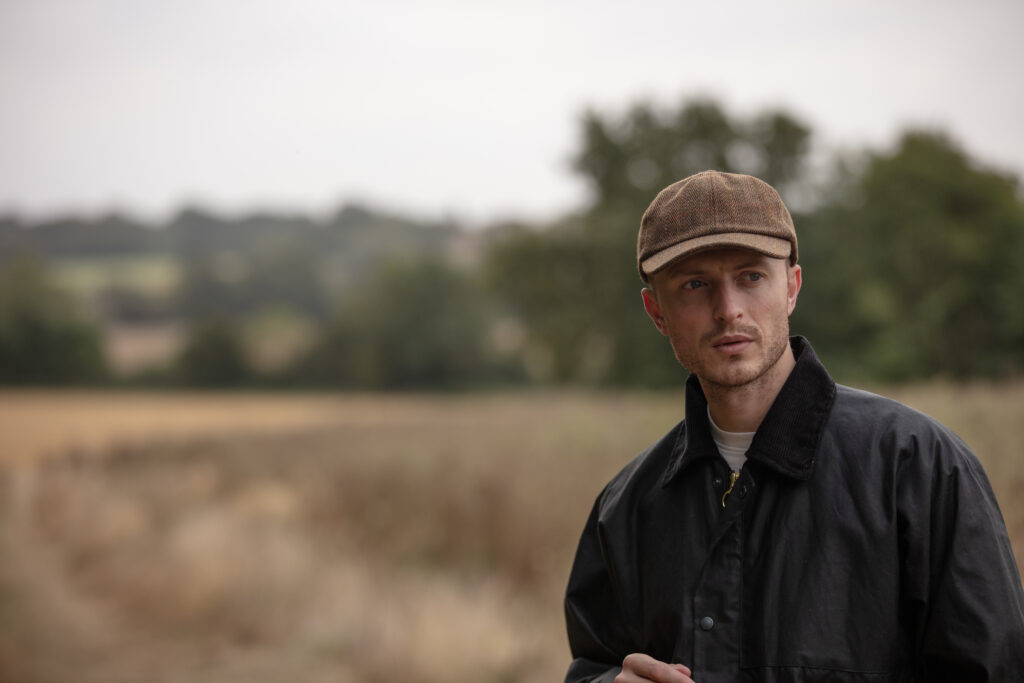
(733, 476)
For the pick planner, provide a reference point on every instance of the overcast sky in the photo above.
(461, 107)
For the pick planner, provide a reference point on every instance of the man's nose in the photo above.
(726, 303)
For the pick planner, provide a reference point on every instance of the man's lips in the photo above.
(734, 343)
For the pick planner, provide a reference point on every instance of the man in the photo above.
(788, 529)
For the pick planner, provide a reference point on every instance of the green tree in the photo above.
(625, 160)
(920, 256)
(214, 355)
(539, 276)
(413, 324)
(44, 338)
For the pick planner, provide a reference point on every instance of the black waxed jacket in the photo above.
(861, 542)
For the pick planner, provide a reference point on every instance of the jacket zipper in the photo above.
(733, 476)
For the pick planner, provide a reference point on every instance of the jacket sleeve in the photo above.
(592, 616)
(963, 587)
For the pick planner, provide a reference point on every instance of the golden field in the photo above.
(246, 537)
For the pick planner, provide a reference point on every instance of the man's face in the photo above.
(725, 312)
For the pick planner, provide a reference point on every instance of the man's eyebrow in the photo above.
(755, 262)
(683, 270)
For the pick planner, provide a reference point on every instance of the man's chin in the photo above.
(731, 374)
(732, 381)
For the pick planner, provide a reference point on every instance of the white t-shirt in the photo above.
(732, 445)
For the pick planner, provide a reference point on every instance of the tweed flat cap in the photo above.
(712, 210)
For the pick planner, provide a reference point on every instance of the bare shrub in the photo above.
(426, 539)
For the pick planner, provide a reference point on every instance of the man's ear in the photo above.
(653, 310)
(795, 280)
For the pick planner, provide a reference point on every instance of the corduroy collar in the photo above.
(788, 437)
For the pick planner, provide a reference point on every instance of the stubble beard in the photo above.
(736, 373)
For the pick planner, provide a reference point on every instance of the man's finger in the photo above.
(683, 669)
(651, 669)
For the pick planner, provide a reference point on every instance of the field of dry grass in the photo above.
(199, 537)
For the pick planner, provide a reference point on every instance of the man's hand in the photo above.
(637, 668)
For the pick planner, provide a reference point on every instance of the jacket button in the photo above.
(707, 623)
(743, 491)
(717, 483)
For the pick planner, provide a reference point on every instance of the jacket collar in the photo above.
(788, 437)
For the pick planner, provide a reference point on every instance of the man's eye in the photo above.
(754, 277)
(693, 284)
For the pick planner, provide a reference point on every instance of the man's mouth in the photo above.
(734, 343)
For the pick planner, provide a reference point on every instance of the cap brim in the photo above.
(763, 244)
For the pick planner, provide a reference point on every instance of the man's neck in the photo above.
(742, 408)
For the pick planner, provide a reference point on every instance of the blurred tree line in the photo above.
(911, 260)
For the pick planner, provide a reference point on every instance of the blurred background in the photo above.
(320, 327)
